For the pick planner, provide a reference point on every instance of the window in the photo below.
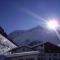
(23, 49)
(41, 54)
(55, 54)
(59, 59)
(59, 54)
(41, 50)
(42, 59)
(54, 59)
(49, 58)
(30, 59)
(27, 58)
(41, 45)
(49, 54)
(38, 58)
(21, 59)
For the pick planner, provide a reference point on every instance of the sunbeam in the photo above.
(58, 35)
(33, 14)
(39, 18)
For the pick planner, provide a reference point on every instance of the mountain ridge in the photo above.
(36, 33)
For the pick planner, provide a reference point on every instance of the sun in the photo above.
(52, 24)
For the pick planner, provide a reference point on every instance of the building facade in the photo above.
(43, 51)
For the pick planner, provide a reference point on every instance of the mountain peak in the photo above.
(37, 28)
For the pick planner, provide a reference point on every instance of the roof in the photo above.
(48, 47)
(38, 45)
(23, 53)
(44, 43)
(51, 48)
(21, 47)
(6, 36)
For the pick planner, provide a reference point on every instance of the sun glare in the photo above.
(52, 24)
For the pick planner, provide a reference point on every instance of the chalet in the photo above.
(31, 55)
(48, 51)
(19, 49)
(47, 47)
(43, 51)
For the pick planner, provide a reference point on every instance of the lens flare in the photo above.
(52, 24)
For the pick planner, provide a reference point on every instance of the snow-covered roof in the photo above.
(43, 43)
(23, 53)
(3, 33)
(26, 46)
(38, 44)
(5, 43)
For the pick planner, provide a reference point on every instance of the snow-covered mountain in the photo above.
(37, 33)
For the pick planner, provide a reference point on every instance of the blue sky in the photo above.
(13, 17)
